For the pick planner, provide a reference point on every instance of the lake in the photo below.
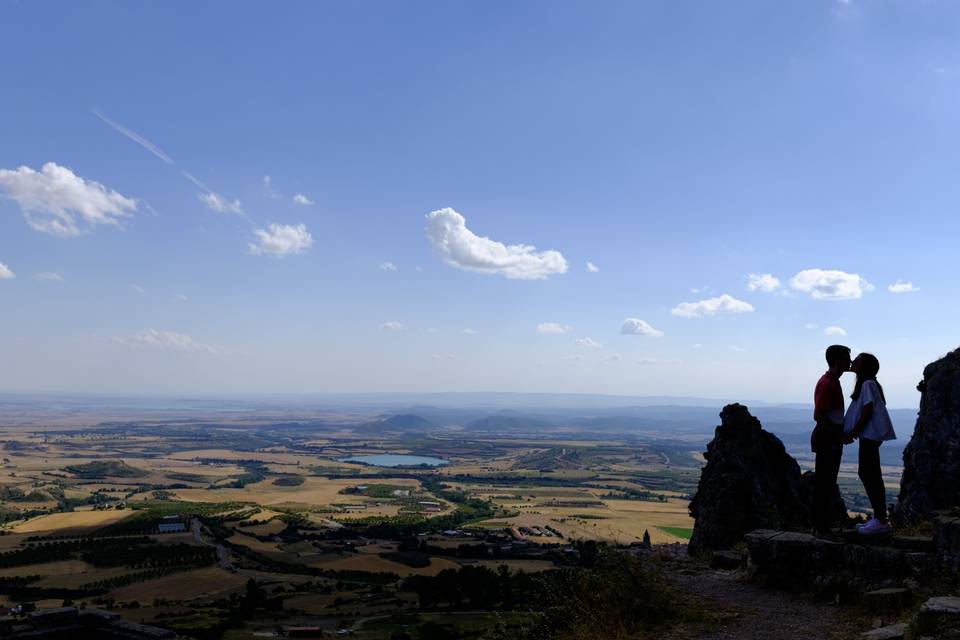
(397, 460)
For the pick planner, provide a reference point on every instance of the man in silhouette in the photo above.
(827, 439)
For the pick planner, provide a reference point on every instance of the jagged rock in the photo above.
(887, 600)
(938, 616)
(891, 632)
(727, 560)
(931, 460)
(749, 482)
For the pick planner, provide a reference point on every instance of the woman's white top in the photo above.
(880, 427)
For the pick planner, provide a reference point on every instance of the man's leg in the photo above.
(827, 467)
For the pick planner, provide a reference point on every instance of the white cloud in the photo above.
(138, 289)
(216, 202)
(392, 325)
(268, 189)
(49, 276)
(302, 200)
(835, 331)
(736, 349)
(902, 287)
(136, 137)
(553, 328)
(469, 332)
(167, 340)
(587, 342)
(697, 345)
(810, 326)
(281, 240)
(638, 327)
(443, 356)
(830, 284)
(724, 304)
(762, 282)
(6, 273)
(613, 358)
(55, 200)
(648, 362)
(181, 297)
(461, 248)
(592, 268)
(388, 266)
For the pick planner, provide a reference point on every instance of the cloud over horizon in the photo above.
(171, 340)
(638, 327)
(462, 248)
(281, 240)
(55, 200)
(830, 284)
(721, 305)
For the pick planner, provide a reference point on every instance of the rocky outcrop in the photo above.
(931, 460)
(749, 482)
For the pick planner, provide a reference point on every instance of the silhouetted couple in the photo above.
(866, 419)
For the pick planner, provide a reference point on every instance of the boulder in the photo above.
(891, 632)
(931, 460)
(749, 482)
(938, 616)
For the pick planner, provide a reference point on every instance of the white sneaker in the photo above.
(874, 527)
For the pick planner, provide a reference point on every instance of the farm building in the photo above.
(172, 524)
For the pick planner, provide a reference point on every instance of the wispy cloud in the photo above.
(281, 240)
(613, 358)
(302, 200)
(835, 331)
(469, 332)
(902, 287)
(6, 273)
(638, 327)
(724, 304)
(57, 201)
(268, 189)
(553, 328)
(158, 339)
(592, 268)
(462, 248)
(387, 266)
(830, 284)
(138, 289)
(392, 325)
(764, 282)
(650, 362)
(587, 342)
(136, 137)
(48, 276)
(216, 202)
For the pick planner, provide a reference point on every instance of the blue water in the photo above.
(394, 460)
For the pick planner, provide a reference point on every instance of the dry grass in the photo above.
(374, 563)
(183, 586)
(74, 520)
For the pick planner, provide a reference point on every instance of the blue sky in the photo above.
(677, 147)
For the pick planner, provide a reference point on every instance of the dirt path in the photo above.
(766, 614)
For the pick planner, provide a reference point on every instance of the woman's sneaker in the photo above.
(874, 527)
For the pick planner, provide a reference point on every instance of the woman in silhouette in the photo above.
(868, 420)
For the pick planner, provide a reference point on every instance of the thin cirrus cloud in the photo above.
(650, 362)
(592, 268)
(721, 305)
(830, 284)
(469, 332)
(902, 287)
(462, 248)
(136, 137)
(387, 266)
(392, 325)
(554, 328)
(6, 273)
(834, 331)
(764, 282)
(49, 276)
(55, 200)
(281, 240)
(169, 340)
(302, 200)
(638, 327)
(587, 342)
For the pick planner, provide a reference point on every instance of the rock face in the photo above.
(750, 482)
(931, 461)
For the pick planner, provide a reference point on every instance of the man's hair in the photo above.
(835, 352)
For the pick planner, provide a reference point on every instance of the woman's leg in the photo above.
(872, 477)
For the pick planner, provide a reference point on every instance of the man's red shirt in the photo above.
(828, 406)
